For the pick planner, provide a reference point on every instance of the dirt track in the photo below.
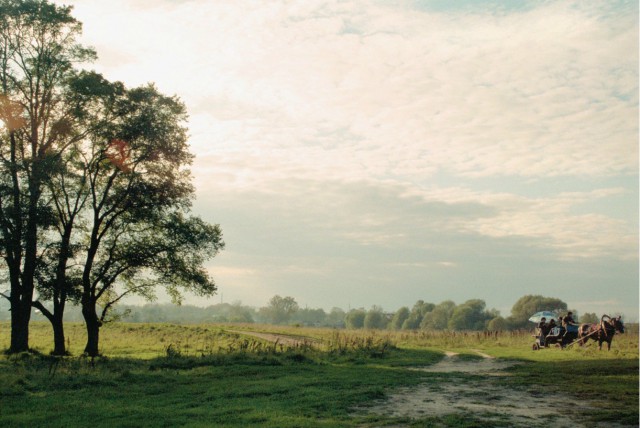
(279, 338)
(483, 395)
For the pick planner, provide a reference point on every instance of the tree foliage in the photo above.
(497, 324)
(589, 318)
(335, 318)
(375, 319)
(399, 318)
(309, 317)
(470, 315)
(355, 319)
(529, 305)
(413, 321)
(280, 310)
(438, 318)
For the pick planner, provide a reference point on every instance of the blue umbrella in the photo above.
(543, 314)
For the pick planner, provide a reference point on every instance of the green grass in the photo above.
(611, 384)
(190, 391)
(206, 375)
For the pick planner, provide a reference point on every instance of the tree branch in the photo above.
(46, 312)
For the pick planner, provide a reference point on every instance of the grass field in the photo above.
(225, 375)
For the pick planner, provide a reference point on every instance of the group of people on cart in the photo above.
(564, 331)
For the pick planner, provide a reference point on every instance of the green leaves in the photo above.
(530, 304)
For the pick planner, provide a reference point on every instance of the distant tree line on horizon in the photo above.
(471, 315)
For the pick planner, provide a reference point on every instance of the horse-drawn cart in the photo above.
(570, 334)
(558, 336)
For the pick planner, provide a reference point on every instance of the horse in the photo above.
(602, 332)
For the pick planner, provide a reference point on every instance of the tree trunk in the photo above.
(93, 329)
(22, 289)
(60, 295)
(19, 327)
(56, 320)
(59, 346)
(20, 314)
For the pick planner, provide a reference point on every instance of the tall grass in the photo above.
(145, 341)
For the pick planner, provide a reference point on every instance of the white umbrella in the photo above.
(543, 314)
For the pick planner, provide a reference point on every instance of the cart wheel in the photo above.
(535, 347)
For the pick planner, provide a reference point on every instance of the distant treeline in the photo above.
(447, 315)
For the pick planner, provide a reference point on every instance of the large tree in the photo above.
(38, 51)
(419, 310)
(530, 304)
(139, 234)
(471, 315)
(438, 318)
(354, 319)
(375, 319)
(399, 318)
(89, 97)
(121, 200)
(280, 309)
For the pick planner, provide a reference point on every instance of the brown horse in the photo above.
(602, 332)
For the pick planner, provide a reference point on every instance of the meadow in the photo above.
(260, 375)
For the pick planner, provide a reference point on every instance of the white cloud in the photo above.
(536, 93)
(379, 125)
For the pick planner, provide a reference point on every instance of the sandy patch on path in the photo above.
(484, 397)
(489, 365)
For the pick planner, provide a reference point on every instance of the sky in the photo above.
(360, 153)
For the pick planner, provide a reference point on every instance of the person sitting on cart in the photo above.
(552, 324)
(568, 319)
(542, 324)
(569, 324)
(571, 329)
(543, 330)
(556, 331)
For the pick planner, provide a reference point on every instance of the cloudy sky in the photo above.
(380, 152)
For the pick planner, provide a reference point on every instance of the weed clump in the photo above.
(371, 346)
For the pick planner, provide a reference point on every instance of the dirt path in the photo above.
(282, 339)
(485, 396)
(488, 366)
